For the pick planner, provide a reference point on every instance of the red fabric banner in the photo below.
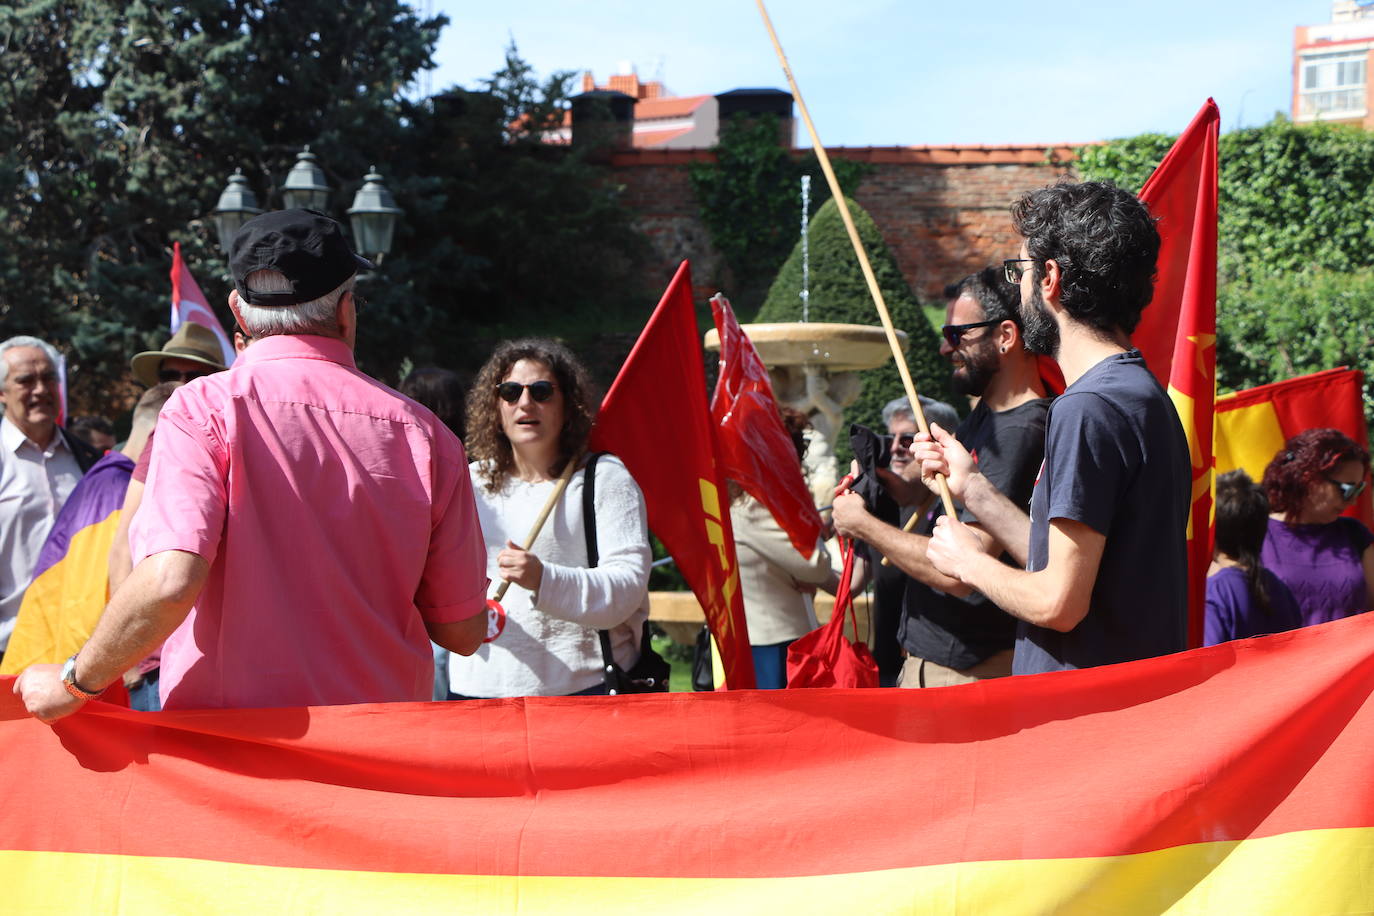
(1159, 785)
(655, 419)
(755, 449)
(1177, 332)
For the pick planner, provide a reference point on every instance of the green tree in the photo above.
(751, 201)
(1295, 245)
(123, 121)
(839, 293)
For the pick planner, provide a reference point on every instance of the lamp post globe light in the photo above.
(305, 187)
(236, 206)
(373, 216)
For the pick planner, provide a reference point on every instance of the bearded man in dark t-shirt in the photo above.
(950, 633)
(1104, 545)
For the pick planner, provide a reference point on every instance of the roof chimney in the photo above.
(754, 103)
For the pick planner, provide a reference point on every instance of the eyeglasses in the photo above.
(904, 441)
(1012, 269)
(176, 375)
(540, 391)
(954, 333)
(1348, 490)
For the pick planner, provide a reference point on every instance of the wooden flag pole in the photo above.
(945, 496)
(539, 522)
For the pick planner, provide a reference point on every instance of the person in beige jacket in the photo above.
(777, 582)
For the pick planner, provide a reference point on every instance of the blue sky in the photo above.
(882, 73)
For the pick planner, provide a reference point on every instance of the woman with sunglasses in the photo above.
(528, 414)
(1326, 559)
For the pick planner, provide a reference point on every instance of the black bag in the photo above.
(650, 673)
(703, 677)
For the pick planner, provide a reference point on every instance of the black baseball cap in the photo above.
(306, 246)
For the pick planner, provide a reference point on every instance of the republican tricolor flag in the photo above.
(190, 304)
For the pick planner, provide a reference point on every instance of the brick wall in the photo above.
(942, 210)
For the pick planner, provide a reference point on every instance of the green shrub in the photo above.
(839, 293)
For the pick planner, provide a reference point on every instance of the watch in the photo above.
(69, 681)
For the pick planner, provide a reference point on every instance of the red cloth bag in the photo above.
(825, 657)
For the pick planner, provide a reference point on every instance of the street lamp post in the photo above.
(236, 206)
(306, 187)
(373, 215)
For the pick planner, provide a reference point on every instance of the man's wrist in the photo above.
(73, 684)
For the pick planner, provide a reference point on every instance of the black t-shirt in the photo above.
(1116, 460)
(955, 632)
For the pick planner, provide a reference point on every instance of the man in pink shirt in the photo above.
(306, 530)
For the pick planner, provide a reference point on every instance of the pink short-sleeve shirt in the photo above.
(337, 517)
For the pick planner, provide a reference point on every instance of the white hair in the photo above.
(25, 341)
(317, 316)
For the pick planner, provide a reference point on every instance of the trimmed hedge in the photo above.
(840, 294)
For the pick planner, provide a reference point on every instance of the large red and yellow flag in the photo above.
(755, 449)
(1252, 425)
(655, 419)
(1177, 333)
(1142, 788)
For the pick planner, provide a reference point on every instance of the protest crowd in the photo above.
(279, 529)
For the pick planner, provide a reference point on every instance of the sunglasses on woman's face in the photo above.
(540, 391)
(1348, 490)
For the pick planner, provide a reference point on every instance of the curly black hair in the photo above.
(1105, 243)
(487, 440)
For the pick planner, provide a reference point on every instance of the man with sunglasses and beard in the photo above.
(1105, 577)
(950, 633)
(305, 530)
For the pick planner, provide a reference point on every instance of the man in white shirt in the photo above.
(39, 466)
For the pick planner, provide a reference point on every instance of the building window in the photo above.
(1333, 85)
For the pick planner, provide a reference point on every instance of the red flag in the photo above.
(190, 304)
(655, 419)
(1252, 425)
(1177, 333)
(755, 449)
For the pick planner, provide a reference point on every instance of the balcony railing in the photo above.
(1332, 103)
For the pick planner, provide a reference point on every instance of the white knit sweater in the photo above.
(549, 646)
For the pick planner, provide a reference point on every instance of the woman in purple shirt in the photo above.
(1323, 557)
(1243, 597)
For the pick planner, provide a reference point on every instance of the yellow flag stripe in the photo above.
(1316, 871)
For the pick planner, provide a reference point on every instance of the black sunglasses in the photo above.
(1348, 490)
(175, 375)
(904, 441)
(540, 391)
(954, 333)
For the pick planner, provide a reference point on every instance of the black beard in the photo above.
(980, 365)
(1038, 328)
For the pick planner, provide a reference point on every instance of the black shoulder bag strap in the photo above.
(593, 555)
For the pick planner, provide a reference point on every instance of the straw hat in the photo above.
(191, 341)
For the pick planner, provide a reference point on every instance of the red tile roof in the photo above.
(675, 107)
(641, 139)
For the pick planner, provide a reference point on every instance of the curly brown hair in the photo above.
(486, 439)
(1303, 463)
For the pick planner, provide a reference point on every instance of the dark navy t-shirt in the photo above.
(1116, 460)
(956, 632)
